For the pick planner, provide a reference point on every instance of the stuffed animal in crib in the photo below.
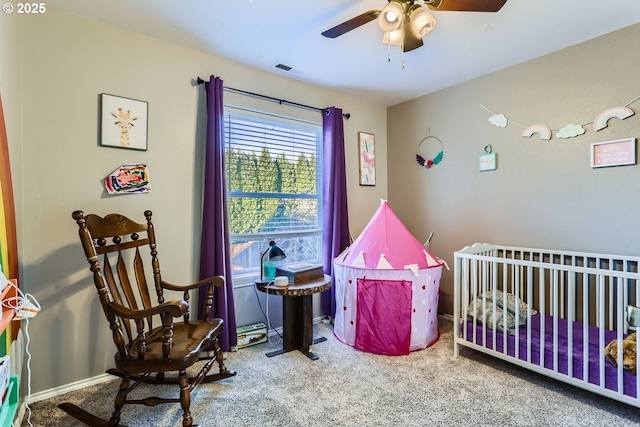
(628, 352)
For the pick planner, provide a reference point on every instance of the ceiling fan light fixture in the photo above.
(410, 39)
(391, 16)
(393, 38)
(422, 21)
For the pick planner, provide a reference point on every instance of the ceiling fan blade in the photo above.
(467, 5)
(351, 24)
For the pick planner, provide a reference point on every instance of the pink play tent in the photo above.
(387, 286)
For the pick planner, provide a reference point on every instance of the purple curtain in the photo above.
(335, 222)
(215, 248)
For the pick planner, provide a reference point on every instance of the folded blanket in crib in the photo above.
(492, 306)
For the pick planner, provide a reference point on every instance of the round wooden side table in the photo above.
(297, 313)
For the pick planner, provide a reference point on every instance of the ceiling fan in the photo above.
(405, 22)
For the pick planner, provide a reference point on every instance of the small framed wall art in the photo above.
(123, 122)
(367, 158)
(488, 160)
(620, 152)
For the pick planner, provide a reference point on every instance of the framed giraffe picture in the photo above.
(123, 122)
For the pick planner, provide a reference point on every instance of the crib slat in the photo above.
(601, 317)
(494, 286)
(554, 302)
(610, 288)
(484, 290)
(585, 325)
(542, 314)
(571, 298)
(560, 295)
(505, 273)
(619, 329)
(518, 296)
(529, 308)
(474, 278)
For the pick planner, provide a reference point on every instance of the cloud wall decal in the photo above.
(498, 120)
(569, 131)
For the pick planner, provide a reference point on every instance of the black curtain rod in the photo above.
(272, 99)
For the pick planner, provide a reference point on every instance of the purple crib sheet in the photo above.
(594, 361)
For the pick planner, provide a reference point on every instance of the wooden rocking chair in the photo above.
(145, 350)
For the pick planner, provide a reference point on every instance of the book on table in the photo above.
(300, 271)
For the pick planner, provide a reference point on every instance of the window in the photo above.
(274, 189)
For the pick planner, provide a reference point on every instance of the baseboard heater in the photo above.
(251, 334)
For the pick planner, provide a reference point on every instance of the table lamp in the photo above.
(274, 254)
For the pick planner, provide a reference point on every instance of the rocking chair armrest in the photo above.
(217, 281)
(174, 308)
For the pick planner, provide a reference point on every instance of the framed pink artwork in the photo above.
(367, 158)
(620, 152)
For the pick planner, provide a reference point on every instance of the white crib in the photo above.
(580, 300)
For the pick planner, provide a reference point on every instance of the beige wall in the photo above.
(67, 61)
(544, 193)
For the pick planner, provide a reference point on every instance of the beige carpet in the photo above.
(346, 387)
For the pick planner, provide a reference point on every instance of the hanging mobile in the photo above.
(437, 159)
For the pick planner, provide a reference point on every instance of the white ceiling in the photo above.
(464, 45)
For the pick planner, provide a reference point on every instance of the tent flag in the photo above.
(431, 260)
(413, 268)
(359, 261)
(383, 264)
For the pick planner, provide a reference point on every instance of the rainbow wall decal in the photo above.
(8, 240)
(619, 112)
(542, 130)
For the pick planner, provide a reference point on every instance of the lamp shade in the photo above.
(410, 39)
(391, 16)
(275, 253)
(392, 37)
(422, 21)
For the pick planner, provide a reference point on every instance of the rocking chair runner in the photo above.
(142, 349)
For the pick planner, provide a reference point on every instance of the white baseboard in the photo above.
(279, 331)
(46, 394)
(449, 317)
(77, 385)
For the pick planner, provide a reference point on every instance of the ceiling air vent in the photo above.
(283, 67)
(286, 69)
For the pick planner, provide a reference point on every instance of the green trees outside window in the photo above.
(273, 189)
